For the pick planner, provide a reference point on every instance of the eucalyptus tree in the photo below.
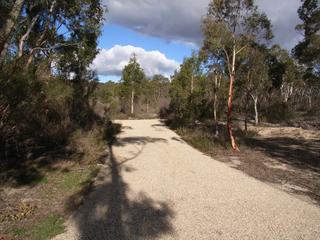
(132, 76)
(46, 47)
(10, 12)
(194, 67)
(214, 80)
(183, 85)
(160, 85)
(229, 27)
(45, 28)
(256, 80)
(284, 72)
(308, 50)
(45, 40)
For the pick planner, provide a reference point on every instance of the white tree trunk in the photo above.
(310, 102)
(8, 27)
(132, 99)
(230, 98)
(40, 40)
(3, 52)
(256, 115)
(215, 99)
(26, 35)
(192, 84)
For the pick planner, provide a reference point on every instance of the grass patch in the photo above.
(76, 179)
(202, 137)
(42, 229)
(47, 227)
(51, 179)
(200, 141)
(203, 140)
(90, 145)
(43, 180)
(16, 232)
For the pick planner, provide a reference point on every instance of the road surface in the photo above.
(155, 186)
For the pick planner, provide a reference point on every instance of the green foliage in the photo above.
(47, 228)
(202, 140)
(276, 61)
(18, 232)
(74, 180)
(231, 23)
(180, 92)
(254, 82)
(132, 78)
(267, 80)
(187, 93)
(42, 229)
(279, 112)
(105, 92)
(110, 132)
(308, 50)
(150, 95)
(46, 88)
(108, 96)
(132, 74)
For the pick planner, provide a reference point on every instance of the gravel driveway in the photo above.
(155, 186)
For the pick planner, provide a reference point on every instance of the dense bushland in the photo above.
(46, 86)
(238, 77)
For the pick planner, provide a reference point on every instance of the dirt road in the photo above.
(155, 186)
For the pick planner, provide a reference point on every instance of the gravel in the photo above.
(155, 186)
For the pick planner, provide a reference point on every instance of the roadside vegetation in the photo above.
(51, 137)
(240, 99)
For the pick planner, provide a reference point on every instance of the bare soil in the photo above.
(286, 157)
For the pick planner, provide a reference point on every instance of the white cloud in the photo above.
(284, 18)
(173, 20)
(180, 20)
(112, 61)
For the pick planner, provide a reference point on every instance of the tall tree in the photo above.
(160, 90)
(308, 50)
(229, 27)
(216, 78)
(8, 26)
(284, 72)
(182, 89)
(132, 76)
(256, 80)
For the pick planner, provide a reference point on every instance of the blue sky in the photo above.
(162, 33)
(114, 34)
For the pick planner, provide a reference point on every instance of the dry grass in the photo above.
(37, 209)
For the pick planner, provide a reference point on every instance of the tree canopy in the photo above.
(308, 50)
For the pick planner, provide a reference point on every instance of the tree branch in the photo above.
(26, 35)
(228, 59)
(57, 46)
(241, 49)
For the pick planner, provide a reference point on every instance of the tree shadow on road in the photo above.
(109, 213)
(298, 153)
(291, 163)
(138, 140)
